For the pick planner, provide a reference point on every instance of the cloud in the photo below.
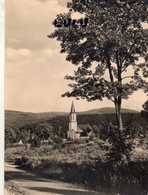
(43, 1)
(11, 53)
(60, 2)
(34, 79)
(34, 68)
(63, 2)
(28, 22)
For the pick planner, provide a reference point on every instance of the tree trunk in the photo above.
(118, 115)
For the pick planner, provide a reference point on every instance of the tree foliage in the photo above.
(110, 53)
(145, 106)
(10, 136)
(144, 112)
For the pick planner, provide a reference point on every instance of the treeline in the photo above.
(56, 128)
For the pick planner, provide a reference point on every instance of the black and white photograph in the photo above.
(76, 97)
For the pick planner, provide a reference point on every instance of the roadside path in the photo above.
(31, 184)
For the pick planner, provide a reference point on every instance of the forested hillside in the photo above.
(55, 128)
(19, 119)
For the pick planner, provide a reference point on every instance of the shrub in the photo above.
(35, 142)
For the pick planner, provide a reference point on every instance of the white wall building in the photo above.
(74, 131)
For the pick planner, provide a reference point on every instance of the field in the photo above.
(83, 163)
(90, 161)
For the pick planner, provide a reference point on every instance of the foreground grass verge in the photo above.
(12, 189)
(83, 163)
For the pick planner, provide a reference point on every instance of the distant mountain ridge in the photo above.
(107, 110)
(19, 118)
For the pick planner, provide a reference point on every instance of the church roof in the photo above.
(72, 108)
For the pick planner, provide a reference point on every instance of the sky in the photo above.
(34, 67)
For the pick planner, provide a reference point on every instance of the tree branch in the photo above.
(118, 67)
(126, 77)
(112, 100)
(109, 68)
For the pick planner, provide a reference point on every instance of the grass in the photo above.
(83, 163)
(13, 189)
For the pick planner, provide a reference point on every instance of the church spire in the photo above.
(72, 108)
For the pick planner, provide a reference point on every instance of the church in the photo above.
(74, 131)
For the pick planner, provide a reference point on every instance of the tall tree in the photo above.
(110, 52)
(145, 106)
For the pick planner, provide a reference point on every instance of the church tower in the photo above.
(72, 118)
(73, 132)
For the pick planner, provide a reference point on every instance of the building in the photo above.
(73, 132)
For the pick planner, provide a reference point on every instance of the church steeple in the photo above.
(73, 132)
(72, 108)
(72, 115)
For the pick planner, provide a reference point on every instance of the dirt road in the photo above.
(29, 184)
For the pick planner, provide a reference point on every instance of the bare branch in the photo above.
(126, 77)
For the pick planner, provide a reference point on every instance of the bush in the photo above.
(36, 142)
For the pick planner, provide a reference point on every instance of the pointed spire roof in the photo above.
(72, 108)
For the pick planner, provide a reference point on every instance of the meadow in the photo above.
(84, 163)
(89, 161)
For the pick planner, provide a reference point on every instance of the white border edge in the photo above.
(2, 61)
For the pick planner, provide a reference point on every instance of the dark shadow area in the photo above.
(65, 191)
(127, 180)
(13, 175)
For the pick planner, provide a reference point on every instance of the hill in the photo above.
(19, 119)
(107, 110)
